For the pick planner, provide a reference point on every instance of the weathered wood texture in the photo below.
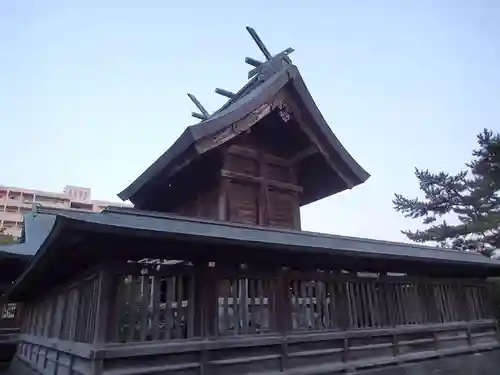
(177, 318)
(68, 314)
(254, 187)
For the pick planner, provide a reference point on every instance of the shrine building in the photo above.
(210, 272)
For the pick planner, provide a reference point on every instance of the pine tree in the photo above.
(472, 196)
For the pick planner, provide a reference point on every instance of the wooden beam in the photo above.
(274, 64)
(259, 43)
(199, 106)
(253, 179)
(301, 155)
(255, 71)
(253, 62)
(233, 130)
(80, 349)
(252, 154)
(199, 116)
(226, 93)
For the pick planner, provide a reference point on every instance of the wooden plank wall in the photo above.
(280, 319)
(260, 188)
(255, 188)
(67, 315)
(161, 304)
(59, 328)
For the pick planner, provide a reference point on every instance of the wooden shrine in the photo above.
(211, 274)
(12, 265)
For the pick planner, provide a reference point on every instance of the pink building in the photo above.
(14, 202)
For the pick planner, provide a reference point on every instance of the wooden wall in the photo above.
(214, 319)
(255, 188)
(255, 303)
(204, 205)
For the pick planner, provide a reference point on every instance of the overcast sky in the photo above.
(92, 92)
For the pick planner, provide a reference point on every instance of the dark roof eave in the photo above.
(6, 254)
(137, 223)
(283, 239)
(176, 150)
(237, 111)
(193, 133)
(45, 238)
(299, 85)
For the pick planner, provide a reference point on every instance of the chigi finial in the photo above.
(263, 69)
(204, 113)
(226, 93)
(272, 63)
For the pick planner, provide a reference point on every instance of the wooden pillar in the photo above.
(263, 194)
(283, 308)
(283, 314)
(199, 312)
(106, 293)
(205, 298)
(343, 311)
(223, 210)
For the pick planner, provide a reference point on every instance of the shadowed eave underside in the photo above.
(59, 242)
(252, 97)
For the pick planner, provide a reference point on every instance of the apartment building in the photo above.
(14, 202)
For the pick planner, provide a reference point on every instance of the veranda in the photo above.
(244, 313)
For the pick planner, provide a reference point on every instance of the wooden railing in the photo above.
(227, 320)
(152, 308)
(69, 314)
(327, 301)
(149, 304)
(292, 353)
(163, 304)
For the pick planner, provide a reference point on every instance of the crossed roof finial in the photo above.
(262, 69)
(204, 113)
(273, 63)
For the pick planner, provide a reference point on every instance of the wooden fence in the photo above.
(151, 304)
(226, 321)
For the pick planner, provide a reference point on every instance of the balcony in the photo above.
(11, 216)
(12, 202)
(53, 204)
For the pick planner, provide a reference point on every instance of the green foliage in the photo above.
(6, 239)
(472, 196)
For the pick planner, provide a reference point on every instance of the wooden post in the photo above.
(204, 294)
(283, 314)
(223, 201)
(105, 295)
(263, 200)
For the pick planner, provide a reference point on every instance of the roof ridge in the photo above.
(261, 72)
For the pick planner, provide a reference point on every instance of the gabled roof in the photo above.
(59, 227)
(277, 75)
